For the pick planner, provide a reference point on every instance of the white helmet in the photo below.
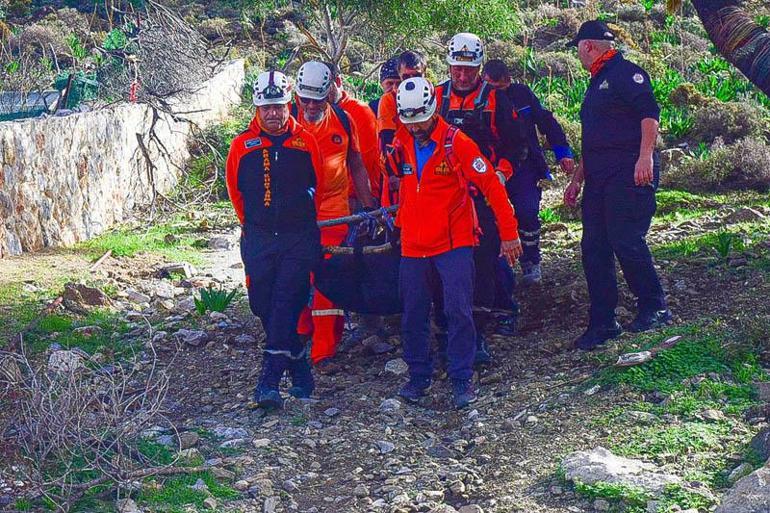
(465, 49)
(314, 80)
(416, 100)
(272, 88)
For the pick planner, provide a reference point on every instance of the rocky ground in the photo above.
(356, 447)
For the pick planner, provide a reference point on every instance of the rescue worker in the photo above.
(389, 80)
(523, 189)
(273, 175)
(411, 63)
(342, 163)
(489, 119)
(438, 231)
(621, 169)
(365, 128)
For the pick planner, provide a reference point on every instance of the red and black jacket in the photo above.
(273, 180)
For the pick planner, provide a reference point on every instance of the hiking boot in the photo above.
(302, 382)
(531, 274)
(463, 393)
(508, 326)
(483, 353)
(267, 394)
(415, 388)
(594, 337)
(649, 321)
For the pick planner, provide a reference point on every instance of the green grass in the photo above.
(631, 497)
(175, 492)
(174, 241)
(701, 351)
(711, 368)
(549, 215)
(61, 329)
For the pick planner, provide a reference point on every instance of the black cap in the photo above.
(594, 29)
(389, 69)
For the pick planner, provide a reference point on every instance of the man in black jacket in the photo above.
(523, 186)
(621, 170)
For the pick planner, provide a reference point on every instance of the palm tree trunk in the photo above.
(738, 38)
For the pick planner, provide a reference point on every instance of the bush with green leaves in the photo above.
(729, 121)
(214, 300)
(743, 165)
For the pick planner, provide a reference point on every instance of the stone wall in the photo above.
(66, 179)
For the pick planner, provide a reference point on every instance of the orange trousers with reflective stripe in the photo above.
(323, 319)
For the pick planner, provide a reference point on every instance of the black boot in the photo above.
(302, 382)
(596, 336)
(645, 321)
(267, 394)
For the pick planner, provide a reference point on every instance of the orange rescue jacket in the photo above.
(436, 213)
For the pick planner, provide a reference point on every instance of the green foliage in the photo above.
(176, 491)
(677, 122)
(549, 215)
(116, 40)
(700, 352)
(562, 95)
(725, 242)
(366, 90)
(629, 495)
(78, 50)
(214, 300)
(172, 240)
(763, 20)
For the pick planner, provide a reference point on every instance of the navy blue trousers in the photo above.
(616, 217)
(455, 269)
(525, 196)
(278, 270)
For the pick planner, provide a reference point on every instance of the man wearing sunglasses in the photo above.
(489, 119)
(342, 164)
(436, 162)
(273, 174)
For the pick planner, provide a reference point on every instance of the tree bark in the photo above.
(741, 41)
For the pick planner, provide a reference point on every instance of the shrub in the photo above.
(730, 121)
(686, 95)
(739, 166)
(559, 64)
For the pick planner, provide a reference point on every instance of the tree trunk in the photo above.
(738, 38)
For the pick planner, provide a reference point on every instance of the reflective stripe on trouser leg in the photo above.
(328, 321)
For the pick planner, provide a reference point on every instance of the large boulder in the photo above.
(749, 495)
(601, 466)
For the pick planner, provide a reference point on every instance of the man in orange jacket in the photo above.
(365, 128)
(273, 176)
(488, 118)
(438, 231)
(342, 164)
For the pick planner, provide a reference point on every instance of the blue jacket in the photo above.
(618, 98)
(536, 118)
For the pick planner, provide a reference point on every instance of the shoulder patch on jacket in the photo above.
(479, 165)
(639, 78)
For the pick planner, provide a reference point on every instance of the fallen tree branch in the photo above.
(101, 260)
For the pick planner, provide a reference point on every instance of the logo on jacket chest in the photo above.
(253, 143)
(407, 169)
(604, 85)
(442, 169)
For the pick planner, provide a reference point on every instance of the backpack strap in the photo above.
(344, 119)
(294, 110)
(449, 153)
(446, 92)
(483, 97)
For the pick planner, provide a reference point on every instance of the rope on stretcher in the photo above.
(372, 216)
